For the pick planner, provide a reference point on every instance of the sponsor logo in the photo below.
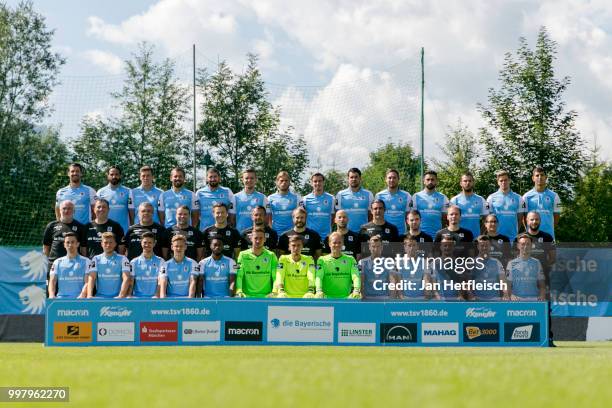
(115, 311)
(73, 312)
(521, 313)
(440, 332)
(398, 332)
(477, 332)
(243, 331)
(519, 332)
(479, 312)
(301, 324)
(201, 331)
(158, 331)
(123, 331)
(72, 332)
(356, 332)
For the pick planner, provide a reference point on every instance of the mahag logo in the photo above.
(33, 297)
(35, 263)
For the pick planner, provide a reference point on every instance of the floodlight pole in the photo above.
(194, 120)
(422, 112)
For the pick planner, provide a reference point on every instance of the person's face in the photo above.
(378, 211)
(71, 244)
(484, 247)
(213, 179)
(539, 179)
(335, 244)
(146, 178)
(177, 178)
(341, 219)
(282, 183)
(74, 173)
(101, 210)
(299, 219)
(447, 247)
(182, 217)
(491, 225)
(392, 180)
(147, 244)
(318, 184)
(430, 181)
(145, 214)
(503, 182)
(179, 247)
(533, 221)
(249, 180)
(453, 216)
(410, 248)
(296, 247)
(258, 216)
(66, 210)
(375, 248)
(220, 215)
(354, 180)
(467, 183)
(216, 246)
(258, 239)
(414, 222)
(524, 246)
(113, 177)
(108, 244)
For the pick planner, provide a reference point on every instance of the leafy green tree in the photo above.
(398, 156)
(527, 121)
(150, 130)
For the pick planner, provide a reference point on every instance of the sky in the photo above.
(346, 73)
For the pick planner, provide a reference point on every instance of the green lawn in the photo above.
(573, 374)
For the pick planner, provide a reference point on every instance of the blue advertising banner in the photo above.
(139, 322)
(23, 274)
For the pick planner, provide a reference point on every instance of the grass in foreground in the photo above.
(574, 374)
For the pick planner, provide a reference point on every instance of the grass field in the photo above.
(573, 374)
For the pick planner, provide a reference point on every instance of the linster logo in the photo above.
(243, 331)
(440, 332)
(356, 332)
(522, 332)
(398, 332)
(72, 332)
(158, 331)
(481, 332)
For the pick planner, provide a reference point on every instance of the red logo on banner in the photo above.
(158, 331)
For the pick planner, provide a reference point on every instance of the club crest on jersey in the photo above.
(307, 236)
(386, 230)
(228, 233)
(265, 260)
(350, 238)
(344, 261)
(74, 228)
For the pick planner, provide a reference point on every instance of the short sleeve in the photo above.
(232, 202)
(509, 272)
(540, 271)
(131, 200)
(445, 205)
(232, 266)
(126, 267)
(485, 207)
(92, 195)
(54, 267)
(370, 198)
(133, 267)
(408, 202)
(195, 203)
(93, 266)
(195, 268)
(266, 204)
(522, 205)
(338, 201)
(160, 203)
(557, 204)
(163, 270)
(57, 199)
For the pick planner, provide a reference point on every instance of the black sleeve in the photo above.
(317, 244)
(273, 240)
(469, 236)
(326, 248)
(438, 237)
(395, 233)
(244, 243)
(48, 234)
(236, 239)
(125, 240)
(82, 235)
(198, 238)
(119, 233)
(283, 243)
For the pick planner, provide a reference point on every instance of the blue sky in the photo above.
(359, 56)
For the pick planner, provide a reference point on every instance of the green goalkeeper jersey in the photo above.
(296, 277)
(255, 273)
(337, 276)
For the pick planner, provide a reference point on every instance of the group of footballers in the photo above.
(145, 242)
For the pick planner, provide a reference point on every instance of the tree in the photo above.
(398, 156)
(527, 123)
(150, 129)
(241, 128)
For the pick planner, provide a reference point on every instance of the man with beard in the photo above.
(319, 206)
(454, 229)
(221, 229)
(53, 238)
(397, 202)
(256, 269)
(350, 239)
(473, 207)
(431, 204)
(119, 198)
(100, 225)
(258, 218)
(133, 236)
(247, 200)
(312, 240)
(355, 200)
(499, 244)
(210, 195)
(178, 195)
(379, 226)
(414, 227)
(146, 192)
(82, 196)
(218, 272)
(508, 206)
(193, 236)
(543, 201)
(282, 203)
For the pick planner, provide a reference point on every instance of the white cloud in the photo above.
(105, 60)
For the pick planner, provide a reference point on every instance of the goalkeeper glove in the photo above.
(308, 295)
(320, 295)
(355, 295)
(271, 295)
(240, 294)
(281, 294)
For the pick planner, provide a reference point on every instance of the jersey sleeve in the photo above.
(361, 266)
(279, 279)
(311, 272)
(522, 205)
(54, 267)
(133, 267)
(266, 204)
(355, 275)
(484, 207)
(195, 268)
(453, 201)
(556, 204)
(239, 272)
(92, 195)
(232, 202)
(163, 270)
(232, 267)
(319, 274)
(93, 266)
(408, 202)
(126, 267)
(273, 266)
(540, 271)
(370, 199)
(131, 199)
(195, 203)
(509, 272)
(57, 199)
(48, 235)
(161, 206)
(445, 205)
(338, 201)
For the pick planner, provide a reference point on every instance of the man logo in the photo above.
(398, 333)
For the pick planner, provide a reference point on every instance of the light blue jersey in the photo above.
(217, 276)
(207, 198)
(371, 288)
(281, 206)
(441, 275)
(416, 276)
(119, 200)
(396, 206)
(506, 208)
(473, 207)
(524, 275)
(245, 204)
(146, 273)
(71, 273)
(431, 206)
(82, 197)
(140, 195)
(170, 200)
(319, 210)
(492, 272)
(547, 204)
(177, 275)
(109, 271)
(357, 206)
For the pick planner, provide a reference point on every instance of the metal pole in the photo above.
(422, 112)
(194, 121)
